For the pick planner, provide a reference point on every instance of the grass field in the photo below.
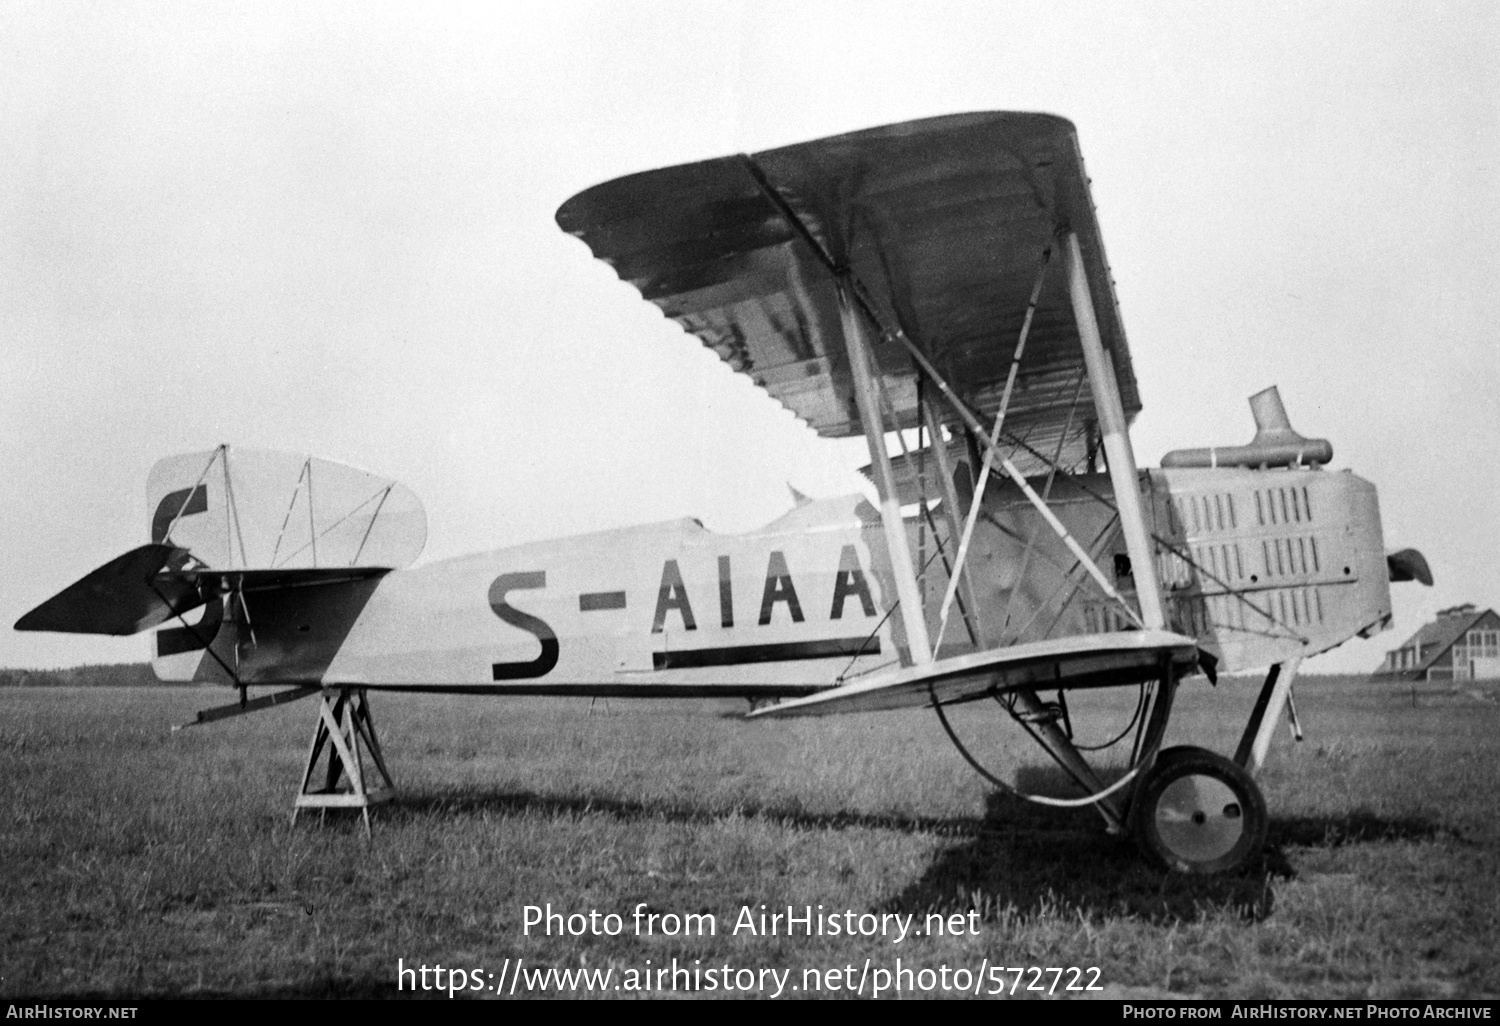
(140, 862)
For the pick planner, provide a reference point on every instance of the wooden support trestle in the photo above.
(346, 731)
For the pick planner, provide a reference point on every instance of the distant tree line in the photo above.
(98, 676)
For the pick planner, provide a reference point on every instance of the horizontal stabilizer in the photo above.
(1091, 660)
(124, 596)
(251, 581)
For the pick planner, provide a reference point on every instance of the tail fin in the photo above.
(263, 626)
(263, 560)
(243, 508)
(290, 520)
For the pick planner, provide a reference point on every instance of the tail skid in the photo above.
(224, 712)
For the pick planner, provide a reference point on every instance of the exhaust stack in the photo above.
(1275, 443)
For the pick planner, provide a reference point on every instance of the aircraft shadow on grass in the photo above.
(1030, 859)
(509, 803)
(1047, 861)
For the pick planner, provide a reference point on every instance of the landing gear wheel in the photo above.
(1199, 813)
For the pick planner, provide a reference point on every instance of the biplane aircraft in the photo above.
(939, 287)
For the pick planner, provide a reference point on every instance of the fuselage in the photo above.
(668, 608)
(1258, 565)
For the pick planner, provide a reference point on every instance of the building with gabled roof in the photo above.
(1463, 643)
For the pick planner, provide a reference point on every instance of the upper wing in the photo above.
(1086, 661)
(943, 224)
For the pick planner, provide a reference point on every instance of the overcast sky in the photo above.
(328, 228)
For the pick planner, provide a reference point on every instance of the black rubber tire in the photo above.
(1198, 813)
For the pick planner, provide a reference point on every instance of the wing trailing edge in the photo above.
(1091, 660)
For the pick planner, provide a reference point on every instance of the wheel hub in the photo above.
(1199, 818)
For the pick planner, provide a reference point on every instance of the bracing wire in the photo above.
(876, 629)
(1140, 705)
(1060, 803)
